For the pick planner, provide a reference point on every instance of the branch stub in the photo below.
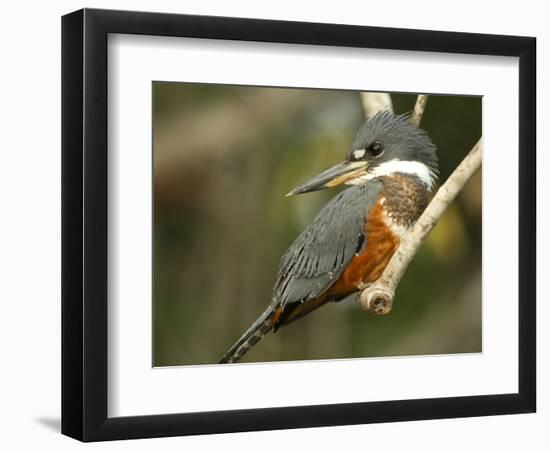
(378, 301)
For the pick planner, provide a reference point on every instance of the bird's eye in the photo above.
(375, 149)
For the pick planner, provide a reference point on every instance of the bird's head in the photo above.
(386, 144)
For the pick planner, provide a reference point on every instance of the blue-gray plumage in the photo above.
(323, 250)
(392, 166)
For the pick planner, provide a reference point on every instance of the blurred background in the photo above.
(224, 158)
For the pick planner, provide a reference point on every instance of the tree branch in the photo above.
(419, 108)
(374, 102)
(377, 298)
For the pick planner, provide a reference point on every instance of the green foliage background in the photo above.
(224, 157)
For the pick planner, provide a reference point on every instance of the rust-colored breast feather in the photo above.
(367, 266)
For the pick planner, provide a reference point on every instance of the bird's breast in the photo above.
(405, 198)
(397, 209)
(382, 237)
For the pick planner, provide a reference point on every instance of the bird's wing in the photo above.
(321, 253)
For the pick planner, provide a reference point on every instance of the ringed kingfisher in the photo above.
(392, 167)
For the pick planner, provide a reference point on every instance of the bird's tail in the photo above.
(255, 332)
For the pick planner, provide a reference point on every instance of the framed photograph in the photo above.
(273, 224)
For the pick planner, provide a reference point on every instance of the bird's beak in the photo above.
(338, 174)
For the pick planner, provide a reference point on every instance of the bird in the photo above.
(391, 170)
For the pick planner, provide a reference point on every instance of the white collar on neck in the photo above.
(418, 169)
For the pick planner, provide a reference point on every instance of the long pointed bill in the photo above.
(338, 174)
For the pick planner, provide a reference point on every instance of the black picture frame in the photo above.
(84, 224)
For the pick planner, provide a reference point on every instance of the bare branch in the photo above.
(374, 102)
(378, 297)
(419, 108)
